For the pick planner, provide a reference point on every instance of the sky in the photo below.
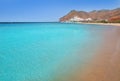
(48, 10)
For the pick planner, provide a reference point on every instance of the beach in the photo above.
(59, 52)
(106, 64)
(108, 24)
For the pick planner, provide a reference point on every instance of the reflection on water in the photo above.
(55, 52)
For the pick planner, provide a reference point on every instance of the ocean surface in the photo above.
(47, 51)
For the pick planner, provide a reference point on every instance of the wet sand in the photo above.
(109, 24)
(105, 65)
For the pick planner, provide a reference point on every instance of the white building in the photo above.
(89, 19)
(78, 19)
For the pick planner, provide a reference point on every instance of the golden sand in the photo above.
(105, 65)
(109, 24)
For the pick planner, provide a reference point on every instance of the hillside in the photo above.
(93, 16)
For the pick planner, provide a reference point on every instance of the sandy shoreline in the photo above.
(105, 65)
(108, 24)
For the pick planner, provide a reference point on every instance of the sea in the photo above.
(47, 51)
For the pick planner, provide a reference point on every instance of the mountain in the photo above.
(93, 16)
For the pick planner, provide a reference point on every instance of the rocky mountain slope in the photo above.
(96, 15)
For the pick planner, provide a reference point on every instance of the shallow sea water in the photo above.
(45, 51)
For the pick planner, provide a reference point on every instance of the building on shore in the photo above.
(78, 19)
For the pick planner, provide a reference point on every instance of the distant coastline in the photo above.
(95, 16)
(108, 24)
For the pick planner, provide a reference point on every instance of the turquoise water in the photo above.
(41, 51)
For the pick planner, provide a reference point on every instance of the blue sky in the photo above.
(48, 10)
